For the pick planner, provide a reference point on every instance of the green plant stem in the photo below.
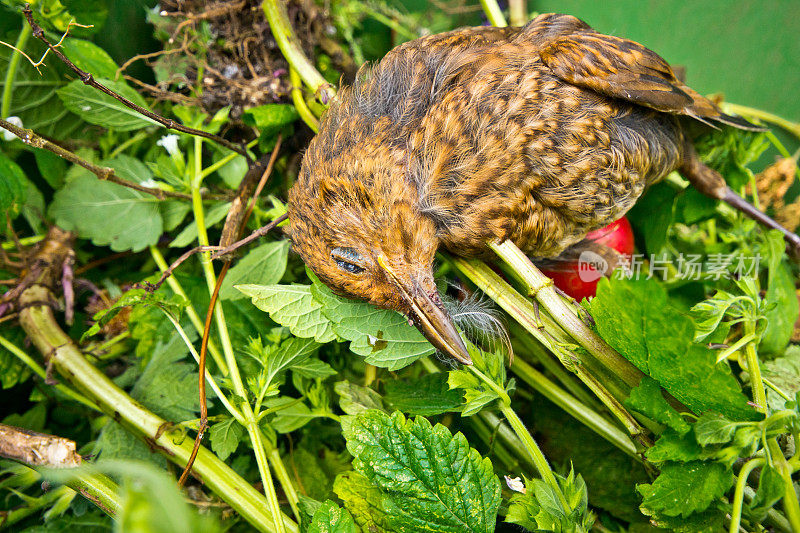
(736, 346)
(300, 102)
(494, 13)
(517, 12)
(25, 241)
(211, 381)
(251, 422)
(791, 505)
(278, 19)
(590, 418)
(16, 55)
(541, 288)
(754, 369)
(738, 495)
(511, 462)
(142, 135)
(534, 451)
(40, 324)
(194, 318)
(276, 462)
(42, 373)
(392, 24)
(498, 389)
(745, 111)
(524, 313)
(213, 167)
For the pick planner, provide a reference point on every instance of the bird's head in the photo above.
(354, 220)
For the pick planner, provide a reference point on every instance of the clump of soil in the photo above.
(231, 46)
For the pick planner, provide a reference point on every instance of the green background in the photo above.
(746, 50)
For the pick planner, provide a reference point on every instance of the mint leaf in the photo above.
(98, 108)
(425, 396)
(330, 518)
(684, 489)
(648, 400)
(263, 264)
(108, 214)
(292, 306)
(383, 337)
(364, 501)
(636, 318)
(225, 436)
(431, 480)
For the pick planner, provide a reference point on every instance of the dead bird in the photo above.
(537, 134)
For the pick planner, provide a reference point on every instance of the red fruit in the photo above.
(579, 278)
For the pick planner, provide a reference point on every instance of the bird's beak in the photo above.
(430, 318)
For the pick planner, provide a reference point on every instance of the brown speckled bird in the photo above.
(537, 134)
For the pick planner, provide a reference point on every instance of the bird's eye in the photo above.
(348, 259)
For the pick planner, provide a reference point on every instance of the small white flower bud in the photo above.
(7, 135)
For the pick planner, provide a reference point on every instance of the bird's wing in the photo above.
(620, 68)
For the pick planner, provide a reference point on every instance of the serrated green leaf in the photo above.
(673, 446)
(291, 351)
(107, 213)
(292, 306)
(98, 108)
(363, 500)
(383, 337)
(330, 518)
(781, 298)
(293, 416)
(313, 368)
(189, 233)
(89, 57)
(432, 480)
(425, 396)
(263, 264)
(225, 436)
(355, 399)
(709, 313)
(540, 508)
(713, 428)
(684, 489)
(784, 372)
(636, 318)
(648, 400)
(270, 117)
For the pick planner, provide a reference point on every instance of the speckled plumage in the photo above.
(537, 134)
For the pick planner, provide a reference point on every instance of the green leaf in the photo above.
(673, 446)
(784, 372)
(292, 306)
(189, 233)
(51, 167)
(106, 213)
(636, 318)
(355, 399)
(330, 518)
(263, 264)
(648, 400)
(652, 215)
(89, 57)
(540, 508)
(770, 491)
(709, 313)
(684, 489)
(270, 118)
(431, 480)
(383, 337)
(364, 501)
(290, 418)
(781, 294)
(313, 368)
(101, 109)
(225, 436)
(13, 184)
(291, 351)
(425, 396)
(713, 428)
(12, 370)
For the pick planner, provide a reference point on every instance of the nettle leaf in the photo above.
(364, 501)
(225, 436)
(355, 399)
(291, 351)
(108, 214)
(673, 446)
(103, 110)
(313, 368)
(292, 414)
(383, 337)
(648, 400)
(173, 305)
(709, 313)
(270, 118)
(636, 318)
(292, 306)
(425, 396)
(189, 234)
(263, 264)
(431, 480)
(477, 394)
(684, 489)
(540, 508)
(713, 428)
(330, 518)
